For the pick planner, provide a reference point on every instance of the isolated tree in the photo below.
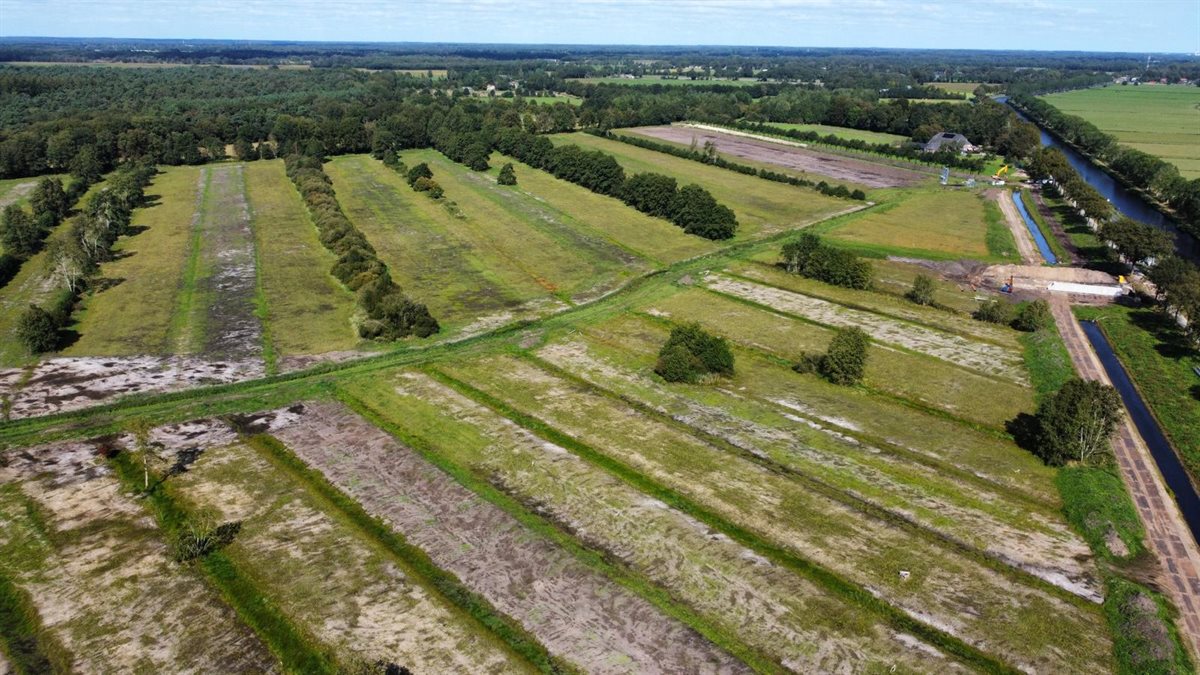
(845, 362)
(37, 330)
(507, 175)
(19, 232)
(690, 353)
(50, 198)
(69, 264)
(1076, 422)
(922, 290)
(1033, 316)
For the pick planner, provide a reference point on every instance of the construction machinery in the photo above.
(1000, 172)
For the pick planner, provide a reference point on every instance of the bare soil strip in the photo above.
(350, 594)
(942, 588)
(60, 385)
(967, 514)
(1166, 533)
(577, 613)
(99, 575)
(788, 156)
(787, 617)
(979, 356)
(232, 330)
(14, 195)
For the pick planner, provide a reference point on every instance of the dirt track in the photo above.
(1025, 245)
(790, 157)
(1166, 533)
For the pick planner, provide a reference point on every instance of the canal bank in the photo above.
(1123, 199)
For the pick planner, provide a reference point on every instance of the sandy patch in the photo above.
(577, 613)
(63, 384)
(979, 356)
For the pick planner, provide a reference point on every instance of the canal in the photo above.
(1164, 455)
(1124, 200)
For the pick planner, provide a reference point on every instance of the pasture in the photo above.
(648, 80)
(1162, 120)
(930, 223)
(763, 208)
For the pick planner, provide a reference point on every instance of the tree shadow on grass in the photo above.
(1172, 342)
(1024, 429)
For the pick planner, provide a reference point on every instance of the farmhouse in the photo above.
(947, 138)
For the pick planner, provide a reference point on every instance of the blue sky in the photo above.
(1088, 25)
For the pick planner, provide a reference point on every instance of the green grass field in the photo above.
(564, 98)
(932, 223)
(762, 207)
(307, 310)
(843, 132)
(134, 316)
(967, 88)
(1162, 120)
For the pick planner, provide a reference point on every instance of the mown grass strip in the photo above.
(297, 651)
(863, 506)
(851, 592)
(447, 584)
(180, 332)
(602, 562)
(27, 645)
(270, 356)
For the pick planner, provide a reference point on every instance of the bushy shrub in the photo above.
(845, 362)
(1033, 316)
(922, 290)
(419, 171)
(508, 176)
(995, 311)
(808, 256)
(690, 353)
(37, 330)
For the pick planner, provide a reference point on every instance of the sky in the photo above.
(1081, 25)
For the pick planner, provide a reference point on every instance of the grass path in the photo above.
(135, 316)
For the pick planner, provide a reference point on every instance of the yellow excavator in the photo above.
(1000, 172)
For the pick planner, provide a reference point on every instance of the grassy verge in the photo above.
(261, 309)
(1056, 246)
(1048, 362)
(837, 585)
(25, 643)
(474, 605)
(182, 329)
(1096, 503)
(999, 239)
(297, 651)
(1159, 359)
(1147, 641)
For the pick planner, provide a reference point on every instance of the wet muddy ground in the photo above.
(232, 330)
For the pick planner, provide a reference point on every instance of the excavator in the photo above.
(1000, 172)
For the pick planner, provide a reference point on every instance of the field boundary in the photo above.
(840, 587)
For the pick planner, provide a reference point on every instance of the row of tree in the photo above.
(709, 155)
(23, 232)
(74, 260)
(807, 255)
(1139, 169)
(391, 314)
(690, 207)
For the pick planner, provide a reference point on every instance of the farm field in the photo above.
(763, 208)
(967, 88)
(135, 315)
(788, 155)
(931, 223)
(565, 98)
(306, 310)
(843, 132)
(1162, 120)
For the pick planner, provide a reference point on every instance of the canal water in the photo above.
(1031, 225)
(1124, 200)
(1164, 456)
